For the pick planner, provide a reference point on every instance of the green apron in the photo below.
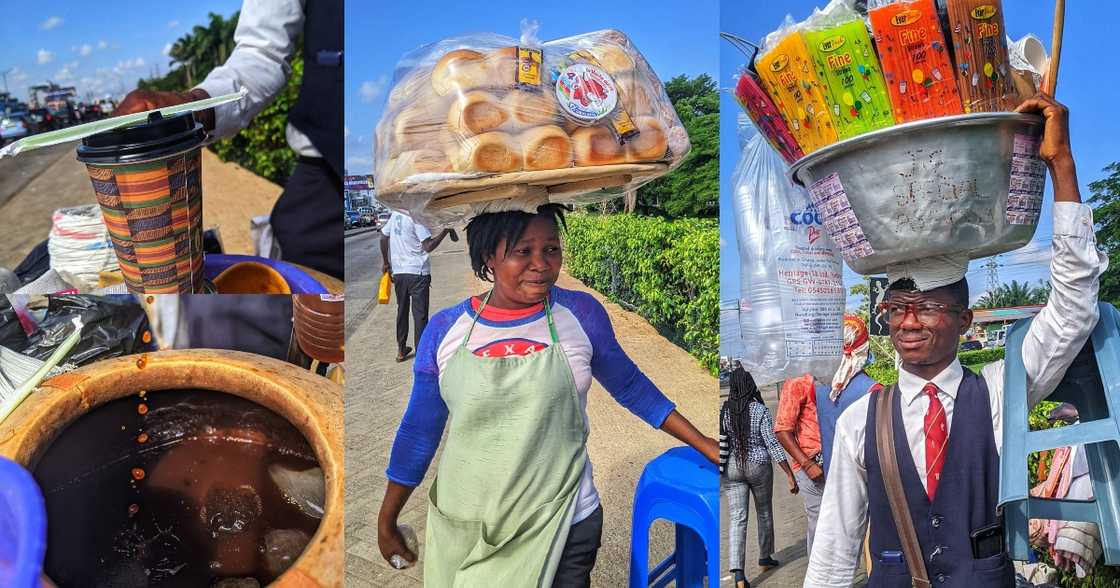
(504, 495)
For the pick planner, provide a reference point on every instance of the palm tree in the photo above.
(1014, 294)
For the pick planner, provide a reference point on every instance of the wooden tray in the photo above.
(554, 182)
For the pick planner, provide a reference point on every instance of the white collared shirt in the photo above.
(260, 62)
(1052, 342)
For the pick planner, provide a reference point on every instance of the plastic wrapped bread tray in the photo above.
(481, 118)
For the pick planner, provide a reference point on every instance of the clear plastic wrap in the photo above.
(846, 62)
(788, 75)
(915, 59)
(792, 291)
(485, 117)
(978, 34)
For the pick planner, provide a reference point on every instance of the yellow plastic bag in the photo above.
(385, 289)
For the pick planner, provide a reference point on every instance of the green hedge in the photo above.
(666, 271)
(981, 356)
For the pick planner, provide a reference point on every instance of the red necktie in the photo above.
(937, 436)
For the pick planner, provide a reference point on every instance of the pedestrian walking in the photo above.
(405, 245)
(747, 450)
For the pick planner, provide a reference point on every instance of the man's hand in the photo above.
(391, 542)
(1055, 146)
(1055, 149)
(814, 472)
(710, 448)
(387, 269)
(793, 489)
(144, 100)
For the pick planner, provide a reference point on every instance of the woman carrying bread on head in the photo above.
(507, 372)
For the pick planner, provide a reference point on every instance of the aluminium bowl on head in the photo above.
(968, 184)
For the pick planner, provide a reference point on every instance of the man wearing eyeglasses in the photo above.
(948, 421)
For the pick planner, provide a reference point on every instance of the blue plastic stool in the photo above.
(23, 527)
(682, 487)
(1092, 384)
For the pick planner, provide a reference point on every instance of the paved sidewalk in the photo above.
(377, 392)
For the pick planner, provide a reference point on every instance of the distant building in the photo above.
(989, 320)
(359, 192)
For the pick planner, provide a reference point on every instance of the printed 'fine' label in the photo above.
(832, 203)
(1028, 178)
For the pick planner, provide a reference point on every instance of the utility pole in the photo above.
(993, 273)
(4, 74)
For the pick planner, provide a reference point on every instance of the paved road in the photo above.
(17, 172)
(378, 389)
(363, 264)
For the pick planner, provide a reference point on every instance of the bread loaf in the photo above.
(419, 126)
(530, 109)
(417, 162)
(493, 152)
(635, 96)
(651, 142)
(596, 146)
(613, 58)
(501, 67)
(459, 70)
(546, 147)
(476, 112)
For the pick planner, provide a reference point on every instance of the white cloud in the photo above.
(167, 50)
(345, 132)
(102, 45)
(172, 24)
(370, 90)
(359, 161)
(44, 56)
(51, 23)
(16, 75)
(85, 50)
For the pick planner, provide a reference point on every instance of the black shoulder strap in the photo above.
(892, 480)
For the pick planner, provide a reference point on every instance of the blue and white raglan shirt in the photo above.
(584, 332)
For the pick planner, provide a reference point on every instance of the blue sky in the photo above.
(675, 37)
(100, 47)
(1090, 97)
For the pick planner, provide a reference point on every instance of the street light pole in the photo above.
(5, 76)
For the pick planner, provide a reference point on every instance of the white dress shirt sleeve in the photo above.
(843, 517)
(1061, 328)
(265, 40)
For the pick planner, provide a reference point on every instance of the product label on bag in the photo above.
(586, 92)
(528, 68)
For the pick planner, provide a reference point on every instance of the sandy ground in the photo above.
(232, 195)
(378, 389)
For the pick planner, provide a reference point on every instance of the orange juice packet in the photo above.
(980, 47)
(915, 60)
(789, 78)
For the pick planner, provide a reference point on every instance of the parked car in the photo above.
(352, 219)
(383, 218)
(42, 120)
(14, 126)
(106, 107)
(971, 345)
(369, 219)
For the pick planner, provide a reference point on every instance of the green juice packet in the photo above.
(848, 67)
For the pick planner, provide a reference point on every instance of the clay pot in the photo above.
(311, 403)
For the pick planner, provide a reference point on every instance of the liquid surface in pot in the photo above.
(178, 488)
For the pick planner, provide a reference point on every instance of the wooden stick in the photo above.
(1056, 47)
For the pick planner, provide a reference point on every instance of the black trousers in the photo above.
(578, 557)
(307, 218)
(411, 290)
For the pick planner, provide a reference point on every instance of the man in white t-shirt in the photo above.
(405, 245)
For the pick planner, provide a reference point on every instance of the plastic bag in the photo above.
(788, 75)
(111, 326)
(762, 111)
(1028, 61)
(978, 34)
(467, 113)
(847, 65)
(915, 59)
(792, 291)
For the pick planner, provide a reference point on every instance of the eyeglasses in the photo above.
(927, 313)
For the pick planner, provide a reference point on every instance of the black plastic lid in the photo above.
(156, 138)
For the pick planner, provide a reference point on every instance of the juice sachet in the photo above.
(760, 108)
(980, 46)
(788, 76)
(856, 92)
(915, 60)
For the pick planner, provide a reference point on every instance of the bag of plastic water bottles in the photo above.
(792, 292)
